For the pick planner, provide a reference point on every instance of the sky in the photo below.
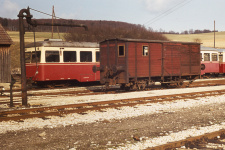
(167, 15)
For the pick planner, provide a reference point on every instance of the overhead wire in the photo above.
(167, 12)
(46, 14)
(53, 16)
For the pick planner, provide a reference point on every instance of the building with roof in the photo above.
(5, 69)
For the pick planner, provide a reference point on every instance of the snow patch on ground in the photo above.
(172, 137)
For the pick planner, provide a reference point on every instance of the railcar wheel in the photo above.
(51, 86)
(66, 84)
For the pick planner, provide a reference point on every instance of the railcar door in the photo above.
(172, 60)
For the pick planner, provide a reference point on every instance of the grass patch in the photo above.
(29, 38)
(207, 39)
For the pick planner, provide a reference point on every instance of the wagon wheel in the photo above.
(106, 86)
(141, 85)
(165, 85)
(134, 87)
(124, 87)
(179, 84)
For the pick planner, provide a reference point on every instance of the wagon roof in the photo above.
(63, 44)
(4, 37)
(147, 41)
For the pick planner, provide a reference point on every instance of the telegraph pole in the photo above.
(214, 34)
(53, 14)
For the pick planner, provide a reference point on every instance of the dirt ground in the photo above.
(113, 133)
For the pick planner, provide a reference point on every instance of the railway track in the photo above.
(99, 89)
(4, 99)
(43, 112)
(63, 91)
(209, 141)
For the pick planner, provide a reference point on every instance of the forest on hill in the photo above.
(98, 30)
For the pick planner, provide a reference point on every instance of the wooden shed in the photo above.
(5, 69)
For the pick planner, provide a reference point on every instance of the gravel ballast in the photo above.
(119, 128)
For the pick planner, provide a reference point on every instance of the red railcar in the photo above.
(56, 60)
(135, 63)
(209, 61)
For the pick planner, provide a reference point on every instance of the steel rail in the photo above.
(190, 142)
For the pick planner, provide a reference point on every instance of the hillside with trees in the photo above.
(101, 30)
(97, 30)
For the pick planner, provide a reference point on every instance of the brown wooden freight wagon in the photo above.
(136, 63)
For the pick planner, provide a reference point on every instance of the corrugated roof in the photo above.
(4, 37)
(147, 41)
(63, 44)
(208, 48)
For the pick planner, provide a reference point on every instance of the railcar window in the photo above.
(201, 57)
(97, 56)
(34, 58)
(52, 56)
(206, 56)
(27, 57)
(85, 56)
(145, 50)
(69, 56)
(121, 51)
(214, 57)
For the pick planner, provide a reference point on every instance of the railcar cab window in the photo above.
(28, 57)
(35, 56)
(121, 50)
(206, 56)
(97, 55)
(69, 56)
(145, 51)
(52, 56)
(31, 57)
(85, 56)
(214, 57)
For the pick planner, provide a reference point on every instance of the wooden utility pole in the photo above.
(214, 34)
(54, 17)
(53, 14)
